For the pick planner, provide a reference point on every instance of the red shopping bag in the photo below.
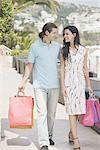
(21, 112)
(88, 118)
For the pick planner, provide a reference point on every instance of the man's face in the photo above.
(53, 34)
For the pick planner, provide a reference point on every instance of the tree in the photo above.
(21, 4)
(7, 12)
(6, 23)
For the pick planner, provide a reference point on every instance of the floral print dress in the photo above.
(75, 83)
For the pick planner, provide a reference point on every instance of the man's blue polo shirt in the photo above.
(44, 57)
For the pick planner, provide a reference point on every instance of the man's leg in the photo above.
(41, 103)
(53, 95)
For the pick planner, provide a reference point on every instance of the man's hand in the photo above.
(21, 87)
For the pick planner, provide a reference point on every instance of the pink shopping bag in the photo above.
(97, 112)
(97, 105)
(88, 118)
(96, 118)
(21, 112)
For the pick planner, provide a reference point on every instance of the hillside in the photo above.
(86, 18)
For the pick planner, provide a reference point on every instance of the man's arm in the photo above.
(28, 70)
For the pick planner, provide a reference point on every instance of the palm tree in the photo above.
(22, 4)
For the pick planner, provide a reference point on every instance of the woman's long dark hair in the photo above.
(47, 27)
(65, 49)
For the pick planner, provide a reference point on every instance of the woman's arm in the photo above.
(86, 72)
(62, 76)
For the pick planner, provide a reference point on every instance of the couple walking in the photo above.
(42, 60)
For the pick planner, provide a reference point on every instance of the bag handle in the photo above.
(92, 97)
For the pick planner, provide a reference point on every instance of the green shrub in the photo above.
(6, 23)
(19, 53)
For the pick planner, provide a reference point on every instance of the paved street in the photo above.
(26, 139)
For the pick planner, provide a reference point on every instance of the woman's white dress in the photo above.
(75, 82)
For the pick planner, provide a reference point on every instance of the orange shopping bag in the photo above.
(21, 111)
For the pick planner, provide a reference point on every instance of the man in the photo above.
(43, 58)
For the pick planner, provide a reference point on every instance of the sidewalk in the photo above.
(27, 139)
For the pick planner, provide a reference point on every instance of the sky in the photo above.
(86, 2)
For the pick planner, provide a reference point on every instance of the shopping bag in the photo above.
(20, 113)
(96, 112)
(88, 118)
(97, 105)
(96, 118)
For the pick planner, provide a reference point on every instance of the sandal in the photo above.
(70, 136)
(78, 147)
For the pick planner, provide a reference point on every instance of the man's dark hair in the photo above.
(47, 27)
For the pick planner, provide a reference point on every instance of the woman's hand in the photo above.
(64, 92)
(90, 91)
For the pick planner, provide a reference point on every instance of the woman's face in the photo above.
(68, 36)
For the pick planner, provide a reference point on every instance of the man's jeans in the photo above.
(46, 102)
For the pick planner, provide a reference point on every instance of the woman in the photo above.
(73, 73)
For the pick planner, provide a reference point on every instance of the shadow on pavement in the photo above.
(28, 137)
(24, 137)
(18, 137)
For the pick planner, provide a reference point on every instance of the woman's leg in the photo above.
(73, 125)
(73, 129)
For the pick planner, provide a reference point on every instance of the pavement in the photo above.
(27, 139)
